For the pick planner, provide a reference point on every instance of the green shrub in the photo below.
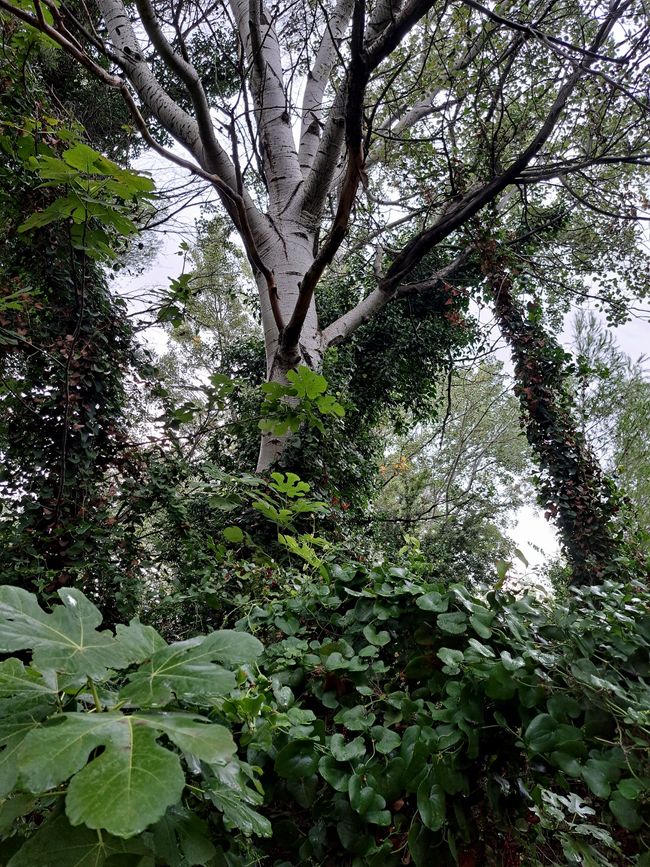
(482, 728)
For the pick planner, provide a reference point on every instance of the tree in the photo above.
(409, 114)
(613, 405)
(455, 484)
(68, 355)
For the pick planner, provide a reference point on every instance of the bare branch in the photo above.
(260, 41)
(317, 81)
(215, 158)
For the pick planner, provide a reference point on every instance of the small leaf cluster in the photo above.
(303, 401)
(96, 195)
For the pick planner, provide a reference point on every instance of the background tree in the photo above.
(613, 404)
(456, 484)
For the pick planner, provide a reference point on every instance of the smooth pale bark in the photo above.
(289, 250)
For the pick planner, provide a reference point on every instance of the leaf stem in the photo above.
(95, 695)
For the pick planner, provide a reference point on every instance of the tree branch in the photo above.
(317, 80)
(531, 30)
(345, 325)
(260, 41)
(215, 159)
(357, 81)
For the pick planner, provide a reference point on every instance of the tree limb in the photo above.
(317, 80)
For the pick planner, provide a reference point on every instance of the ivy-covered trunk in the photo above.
(577, 495)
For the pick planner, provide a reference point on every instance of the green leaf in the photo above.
(12, 735)
(432, 602)
(450, 778)
(540, 733)
(343, 751)
(481, 649)
(566, 763)
(86, 160)
(233, 535)
(632, 788)
(126, 788)
(66, 640)
(304, 790)
(451, 658)
(328, 405)
(181, 839)
(480, 627)
(385, 739)
(562, 706)
(454, 623)
(132, 763)
(58, 844)
(138, 641)
(626, 812)
(12, 808)
(237, 813)
(307, 383)
(194, 835)
(383, 818)
(23, 690)
(355, 719)
(378, 639)
(61, 209)
(597, 775)
(500, 683)
(185, 669)
(289, 484)
(232, 647)
(333, 773)
(54, 752)
(193, 734)
(364, 799)
(511, 664)
(296, 760)
(431, 805)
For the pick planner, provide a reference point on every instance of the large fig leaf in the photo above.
(12, 735)
(58, 844)
(54, 752)
(187, 670)
(65, 640)
(140, 642)
(131, 784)
(209, 742)
(128, 787)
(25, 698)
(23, 690)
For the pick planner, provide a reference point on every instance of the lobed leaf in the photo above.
(65, 640)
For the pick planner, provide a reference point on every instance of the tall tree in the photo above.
(456, 484)
(332, 123)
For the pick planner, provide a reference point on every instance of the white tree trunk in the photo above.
(289, 251)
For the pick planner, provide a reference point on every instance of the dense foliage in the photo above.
(392, 718)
